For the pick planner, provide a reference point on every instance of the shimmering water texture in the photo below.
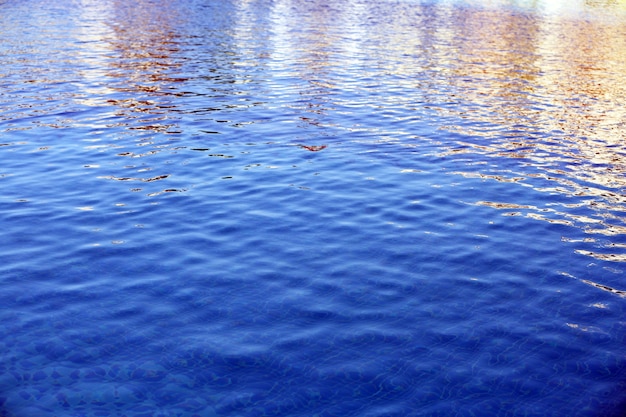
(312, 208)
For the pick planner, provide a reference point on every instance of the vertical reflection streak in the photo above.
(95, 54)
(305, 54)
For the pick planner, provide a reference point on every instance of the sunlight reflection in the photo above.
(95, 53)
(307, 53)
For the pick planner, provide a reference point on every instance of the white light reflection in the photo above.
(91, 33)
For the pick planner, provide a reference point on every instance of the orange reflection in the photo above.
(132, 60)
(145, 43)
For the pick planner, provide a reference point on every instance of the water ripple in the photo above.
(386, 208)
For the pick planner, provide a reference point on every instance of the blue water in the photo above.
(312, 208)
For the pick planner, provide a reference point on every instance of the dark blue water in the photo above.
(312, 208)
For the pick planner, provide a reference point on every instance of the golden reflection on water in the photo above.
(533, 72)
(545, 89)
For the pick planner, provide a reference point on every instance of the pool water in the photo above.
(312, 208)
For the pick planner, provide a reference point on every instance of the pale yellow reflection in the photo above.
(586, 82)
(304, 52)
(549, 90)
(92, 32)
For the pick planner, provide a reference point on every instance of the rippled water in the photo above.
(312, 208)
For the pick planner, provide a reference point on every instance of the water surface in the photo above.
(301, 208)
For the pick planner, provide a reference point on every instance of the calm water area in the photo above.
(312, 208)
